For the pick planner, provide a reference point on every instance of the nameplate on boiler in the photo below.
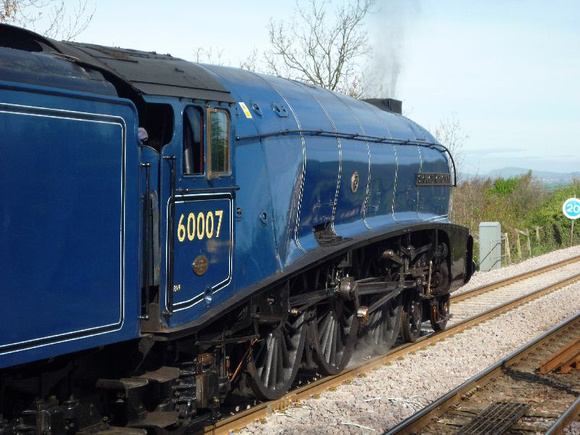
(433, 179)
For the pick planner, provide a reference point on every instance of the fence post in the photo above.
(528, 242)
(538, 234)
(508, 258)
(518, 244)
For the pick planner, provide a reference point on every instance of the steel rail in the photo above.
(263, 410)
(572, 414)
(422, 418)
(520, 277)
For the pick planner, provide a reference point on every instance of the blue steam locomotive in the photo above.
(177, 236)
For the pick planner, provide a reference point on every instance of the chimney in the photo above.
(387, 104)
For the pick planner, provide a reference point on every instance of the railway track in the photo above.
(458, 297)
(473, 303)
(464, 303)
(511, 395)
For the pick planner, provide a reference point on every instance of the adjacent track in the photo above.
(505, 390)
(516, 278)
(262, 410)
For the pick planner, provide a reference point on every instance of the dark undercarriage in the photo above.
(314, 318)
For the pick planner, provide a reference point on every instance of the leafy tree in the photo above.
(517, 203)
(551, 218)
(504, 187)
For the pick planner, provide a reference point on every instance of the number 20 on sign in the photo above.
(571, 208)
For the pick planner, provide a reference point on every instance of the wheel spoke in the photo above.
(327, 332)
(266, 376)
(331, 344)
(273, 381)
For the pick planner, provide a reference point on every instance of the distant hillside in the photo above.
(545, 177)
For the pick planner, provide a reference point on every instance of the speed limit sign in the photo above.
(571, 208)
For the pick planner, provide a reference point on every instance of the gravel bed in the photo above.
(573, 429)
(388, 395)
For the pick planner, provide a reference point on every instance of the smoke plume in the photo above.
(386, 34)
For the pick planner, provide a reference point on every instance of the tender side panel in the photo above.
(63, 227)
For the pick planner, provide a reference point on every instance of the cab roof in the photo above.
(147, 72)
(151, 73)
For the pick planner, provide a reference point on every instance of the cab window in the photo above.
(193, 159)
(218, 157)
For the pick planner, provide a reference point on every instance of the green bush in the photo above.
(518, 203)
(552, 220)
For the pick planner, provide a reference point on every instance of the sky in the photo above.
(508, 71)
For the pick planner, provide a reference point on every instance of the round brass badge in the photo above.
(354, 182)
(200, 265)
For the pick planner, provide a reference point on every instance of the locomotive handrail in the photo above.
(147, 230)
(183, 191)
(170, 240)
(356, 136)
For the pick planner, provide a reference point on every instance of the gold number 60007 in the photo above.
(199, 226)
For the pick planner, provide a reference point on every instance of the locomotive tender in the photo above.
(259, 225)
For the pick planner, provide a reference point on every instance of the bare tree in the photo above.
(8, 10)
(215, 55)
(250, 63)
(210, 54)
(450, 133)
(320, 48)
(52, 18)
